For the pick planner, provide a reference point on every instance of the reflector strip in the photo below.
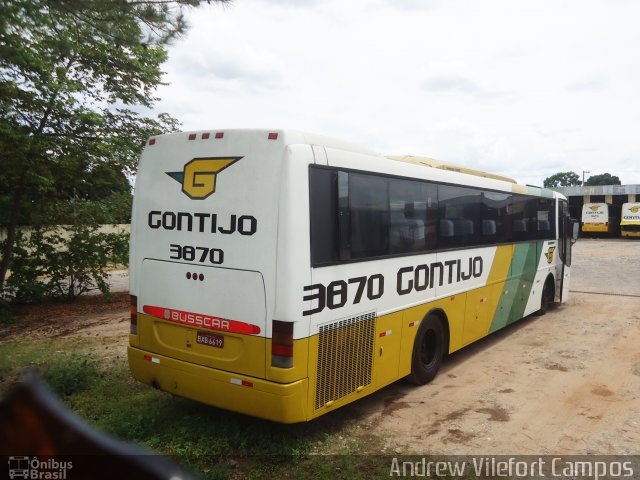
(219, 134)
(273, 136)
(205, 136)
(414, 323)
(386, 333)
(244, 383)
(201, 320)
(192, 136)
(151, 359)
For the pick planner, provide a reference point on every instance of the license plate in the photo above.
(211, 339)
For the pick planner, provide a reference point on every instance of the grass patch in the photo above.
(72, 374)
(216, 443)
(17, 355)
(212, 443)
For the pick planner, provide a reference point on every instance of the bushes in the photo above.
(73, 375)
(63, 262)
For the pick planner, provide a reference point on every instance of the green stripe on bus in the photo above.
(517, 288)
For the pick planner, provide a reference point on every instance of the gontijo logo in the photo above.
(635, 209)
(594, 207)
(198, 178)
(549, 254)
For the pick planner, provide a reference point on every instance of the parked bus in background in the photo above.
(284, 275)
(630, 220)
(599, 219)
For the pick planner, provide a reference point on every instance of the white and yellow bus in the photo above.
(283, 275)
(599, 218)
(630, 220)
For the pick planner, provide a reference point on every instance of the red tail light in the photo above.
(134, 315)
(282, 344)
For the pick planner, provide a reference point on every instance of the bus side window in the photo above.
(545, 215)
(461, 207)
(494, 216)
(413, 211)
(518, 218)
(369, 206)
(323, 210)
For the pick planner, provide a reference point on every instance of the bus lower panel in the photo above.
(596, 228)
(285, 403)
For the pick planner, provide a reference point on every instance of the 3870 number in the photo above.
(336, 294)
(198, 254)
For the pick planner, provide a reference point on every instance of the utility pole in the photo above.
(583, 172)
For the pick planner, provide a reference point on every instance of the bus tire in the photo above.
(547, 297)
(428, 350)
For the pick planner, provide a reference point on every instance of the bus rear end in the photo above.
(630, 220)
(595, 218)
(203, 267)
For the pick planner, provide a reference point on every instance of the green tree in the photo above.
(562, 179)
(603, 179)
(74, 75)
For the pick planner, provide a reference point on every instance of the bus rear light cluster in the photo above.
(282, 344)
(134, 315)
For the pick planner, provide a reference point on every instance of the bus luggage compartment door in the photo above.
(209, 316)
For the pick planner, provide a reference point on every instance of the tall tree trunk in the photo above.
(12, 227)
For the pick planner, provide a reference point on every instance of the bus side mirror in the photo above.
(575, 231)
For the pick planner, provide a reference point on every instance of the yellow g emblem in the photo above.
(198, 178)
(635, 209)
(594, 207)
(550, 254)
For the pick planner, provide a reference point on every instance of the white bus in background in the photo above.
(284, 275)
(630, 220)
(599, 218)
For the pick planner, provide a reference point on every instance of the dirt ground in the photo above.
(564, 383)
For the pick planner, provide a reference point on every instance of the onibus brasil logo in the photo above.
(198, 178)
(37, 469)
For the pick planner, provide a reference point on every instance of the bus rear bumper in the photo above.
(595, 228)
(285, 403)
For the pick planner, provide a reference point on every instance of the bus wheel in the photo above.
(547, 298)
(428, 351)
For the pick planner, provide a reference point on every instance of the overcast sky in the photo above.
(521, 88)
